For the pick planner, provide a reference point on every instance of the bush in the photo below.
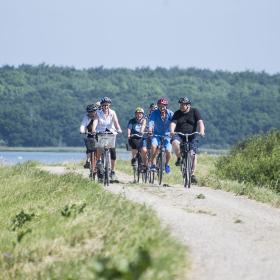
(254, 160)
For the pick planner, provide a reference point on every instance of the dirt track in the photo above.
(228, 236)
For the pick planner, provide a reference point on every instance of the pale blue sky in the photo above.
(233, 35)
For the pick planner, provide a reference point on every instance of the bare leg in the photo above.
(194, 163)
(154, 153)
(176, 148)
(168, 156)
(144, 155)
(113, 164)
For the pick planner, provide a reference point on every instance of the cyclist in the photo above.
(86, 126)
(153, 107)
(106, 120)
(159, 123)
(186, 120)
(137, 125)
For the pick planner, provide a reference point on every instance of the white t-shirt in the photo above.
(105, 122)
(85, 122)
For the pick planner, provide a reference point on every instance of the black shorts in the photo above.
(134, 143)
(113, 153)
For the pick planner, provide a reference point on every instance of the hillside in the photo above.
(43, 105)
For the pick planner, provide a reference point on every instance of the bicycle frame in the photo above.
(105, 146)
(187, 158)
(138, 168)
(160, 160)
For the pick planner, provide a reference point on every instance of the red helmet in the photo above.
(162, 101)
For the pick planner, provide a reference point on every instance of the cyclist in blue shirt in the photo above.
(159, 124)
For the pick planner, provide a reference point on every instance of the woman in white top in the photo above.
(106, 120)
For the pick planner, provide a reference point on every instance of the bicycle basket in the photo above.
(106, 141)
(90, 143)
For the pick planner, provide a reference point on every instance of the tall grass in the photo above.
(255, 160)
(66, 227)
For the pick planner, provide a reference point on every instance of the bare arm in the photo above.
(143, 126)
(201, 127)
(94, 124)
(116, 123)
(172, 128)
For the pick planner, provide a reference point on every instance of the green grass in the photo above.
(66, 227)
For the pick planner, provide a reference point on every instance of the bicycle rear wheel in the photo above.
(139, 166)
(92, 173)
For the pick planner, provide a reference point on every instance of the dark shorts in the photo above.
(137, 143)
(193, 142)
(113, 153)
(90, 143)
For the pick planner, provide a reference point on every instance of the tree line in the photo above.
(43, 105)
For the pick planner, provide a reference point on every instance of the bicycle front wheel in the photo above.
(187, 170)
(160, 165)
(107, 165)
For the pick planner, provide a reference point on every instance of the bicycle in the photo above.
(90, 143)
(187, 158)
(105, 141)
(160, 161)
(138, 167)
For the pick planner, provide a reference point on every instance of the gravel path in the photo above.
(228, 236)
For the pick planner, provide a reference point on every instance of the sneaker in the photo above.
(167, 169)
(153, 168)
(193, 179)
(133, 162)
(178, 162)
(87, 165)
(113, 175)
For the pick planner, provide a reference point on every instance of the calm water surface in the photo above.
(11, 158)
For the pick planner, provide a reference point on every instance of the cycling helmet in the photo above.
(162, 101)
(139, 110)
(92, 108)
(184, 100)
(105, 100)
(153, 106)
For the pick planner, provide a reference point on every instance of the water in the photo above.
(12, 158)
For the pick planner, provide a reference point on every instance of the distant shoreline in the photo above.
(82, 149)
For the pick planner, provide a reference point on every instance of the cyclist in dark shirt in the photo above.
(186, 120)
(136, 125)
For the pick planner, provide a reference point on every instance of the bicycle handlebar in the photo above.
(187, 134)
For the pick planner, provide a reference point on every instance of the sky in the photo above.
(230, 35)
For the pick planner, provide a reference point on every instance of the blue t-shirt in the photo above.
(161, 126)
(135, 125)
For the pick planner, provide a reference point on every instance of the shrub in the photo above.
(254, 160)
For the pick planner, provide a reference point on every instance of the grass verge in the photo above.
(66, 227)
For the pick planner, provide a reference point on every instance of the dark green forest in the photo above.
(43, 105)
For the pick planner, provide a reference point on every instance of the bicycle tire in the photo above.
(151, 177)
(138, 160)
(160, 166)
(107, 168)
(91, 168)
(187, 170)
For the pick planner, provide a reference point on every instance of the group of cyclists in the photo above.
(160, 121)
